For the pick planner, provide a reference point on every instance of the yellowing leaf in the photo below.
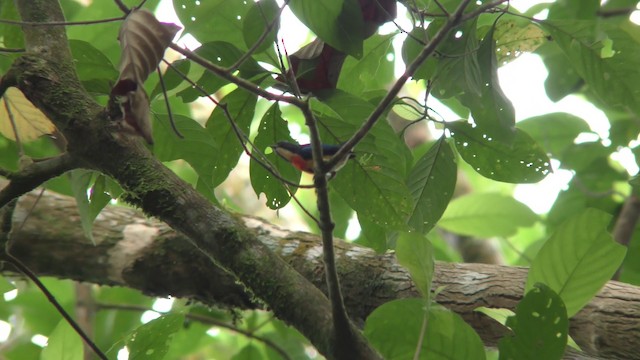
(515, 37)
(29, 121)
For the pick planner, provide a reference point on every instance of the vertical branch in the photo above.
(343, 330)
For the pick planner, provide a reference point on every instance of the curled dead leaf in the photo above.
(143, 40)
(30, 122)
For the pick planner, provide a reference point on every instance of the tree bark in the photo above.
(134, 251)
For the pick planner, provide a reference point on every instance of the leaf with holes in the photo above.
(214, 20)
(152, 340)
(432, 182)
(555, 132)
(521, 161)
(30, 122)
(540, 327)
(515, 36)
(273, 128)
(578, 259)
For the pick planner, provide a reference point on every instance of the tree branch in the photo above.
(34, 175)
(133, 251)
(46, 76)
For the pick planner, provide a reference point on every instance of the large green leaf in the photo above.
(63, 344)
(540, 327)
(273, 128)
(374, 184)
(415, 253)
(521, 161)
(371, 72)
(563, 78)
(198, 147)
(214, 20)
(486, 215)
(578, 259)
(94, 69)
(555, 132)
(260, 17)
(490, 108)
(339, 22)
(413, 45)
(432, 182)
(240, 105)
(152, 340)
(610, 74)
(395, 328)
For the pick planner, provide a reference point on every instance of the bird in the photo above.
(301, 157)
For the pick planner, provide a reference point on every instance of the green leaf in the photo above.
(458, 72)
(339, 23)
(241, 106)
(491, 109)
(611, 77)
(485, 215)
(415, 253)
(432, 182)
(94, 69)
(152, 340)
(371, 72)
(578, 259)
(273, 128)
(197, 148)
(214, 20)
(89, 206)
(261, 15)
(372, 235)
(563, 78)
(374, 184)
(249, 352)
(63, 344)
(522, 161)
(412, 46)
(498, 314)
(5, 285)
(223, 54)
(12, 36)
(395, 328)
(555, 132)
(171, 77)
(540, 327)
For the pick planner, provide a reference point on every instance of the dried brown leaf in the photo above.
(30, 122)
(143, 40)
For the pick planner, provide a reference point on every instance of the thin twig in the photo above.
(33, 277)
(166, 103)
(59, 23)
(11, 50)
(243, 83)
(124, 8)
(260, 40)
(454, 20)
(205, 320)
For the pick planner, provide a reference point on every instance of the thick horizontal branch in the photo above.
(145, 254)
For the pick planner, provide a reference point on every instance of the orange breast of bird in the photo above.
(302, 164)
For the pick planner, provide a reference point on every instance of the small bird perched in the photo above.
(301, 157)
